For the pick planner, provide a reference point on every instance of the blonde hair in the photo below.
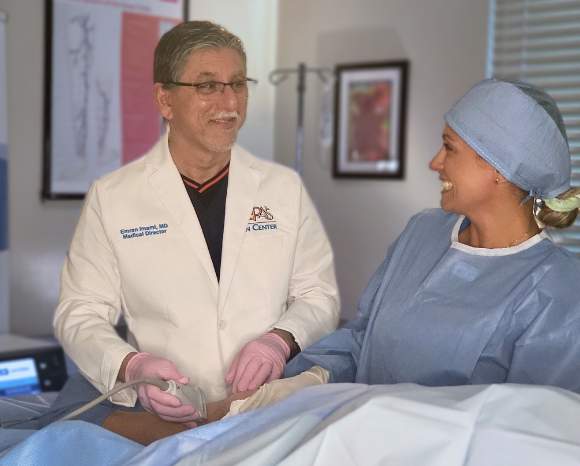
(555, 219)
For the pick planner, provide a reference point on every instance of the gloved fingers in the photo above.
(154, 394)
(168, 371)
(247, 365)
(245, 375)
(258, 399)
(146, 366)
(178, 419)
(182, 413)
(317, 375)
(275, 373)
(243, 363)
(143, 398)
(230, 376)
(263, 374)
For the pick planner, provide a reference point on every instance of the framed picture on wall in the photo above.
(99, 109)
(370, 115)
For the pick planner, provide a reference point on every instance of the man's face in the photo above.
(207, 123)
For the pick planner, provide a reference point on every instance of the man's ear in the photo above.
(163, 101)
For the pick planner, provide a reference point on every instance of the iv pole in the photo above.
(280, 75)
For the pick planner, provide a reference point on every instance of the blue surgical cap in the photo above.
(517, 128)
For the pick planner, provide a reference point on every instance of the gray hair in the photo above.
(176, 45)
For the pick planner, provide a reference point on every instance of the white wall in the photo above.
(255, 22)
(445, 42)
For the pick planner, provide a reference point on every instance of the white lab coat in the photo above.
(139, 250)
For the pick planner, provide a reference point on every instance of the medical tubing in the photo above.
(162, 384)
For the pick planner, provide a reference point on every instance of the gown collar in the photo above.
(527, 244)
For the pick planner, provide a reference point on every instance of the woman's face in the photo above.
(467, 181)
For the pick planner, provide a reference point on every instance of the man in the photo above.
(217, 260)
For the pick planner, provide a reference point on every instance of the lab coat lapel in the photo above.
(166, 180)
(243, 183)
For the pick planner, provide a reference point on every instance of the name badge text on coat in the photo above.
(144, 230)
(261, 218)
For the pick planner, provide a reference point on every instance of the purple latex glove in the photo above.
(262, 360)
(153, 399)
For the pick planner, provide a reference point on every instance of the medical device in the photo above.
(187, 394)
(30, 365)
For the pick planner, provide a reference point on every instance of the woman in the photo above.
(476, 292)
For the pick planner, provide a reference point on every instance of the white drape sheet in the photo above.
(349, 424)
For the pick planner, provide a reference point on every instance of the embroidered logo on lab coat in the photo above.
(140, 231)
(261, 218)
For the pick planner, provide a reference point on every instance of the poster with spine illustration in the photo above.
(99, 112)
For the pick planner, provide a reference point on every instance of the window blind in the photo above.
(4, 257)
(538, 41)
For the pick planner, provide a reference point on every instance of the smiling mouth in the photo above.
(446, 186)
(226, 119)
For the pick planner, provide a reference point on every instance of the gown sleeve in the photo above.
(339, 352)
(548, 352)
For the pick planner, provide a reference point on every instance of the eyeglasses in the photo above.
(210, 88)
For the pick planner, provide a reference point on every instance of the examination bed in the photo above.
(403, 424)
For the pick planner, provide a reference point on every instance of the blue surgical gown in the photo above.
(438, 312)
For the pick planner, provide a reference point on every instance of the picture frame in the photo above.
(370, 119)
(99, 112)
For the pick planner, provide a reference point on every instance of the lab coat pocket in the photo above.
(264, 267)
(264, 247)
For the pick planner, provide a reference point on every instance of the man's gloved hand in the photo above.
(153, 399)
(261, 360)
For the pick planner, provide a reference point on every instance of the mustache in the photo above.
(225, 116)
